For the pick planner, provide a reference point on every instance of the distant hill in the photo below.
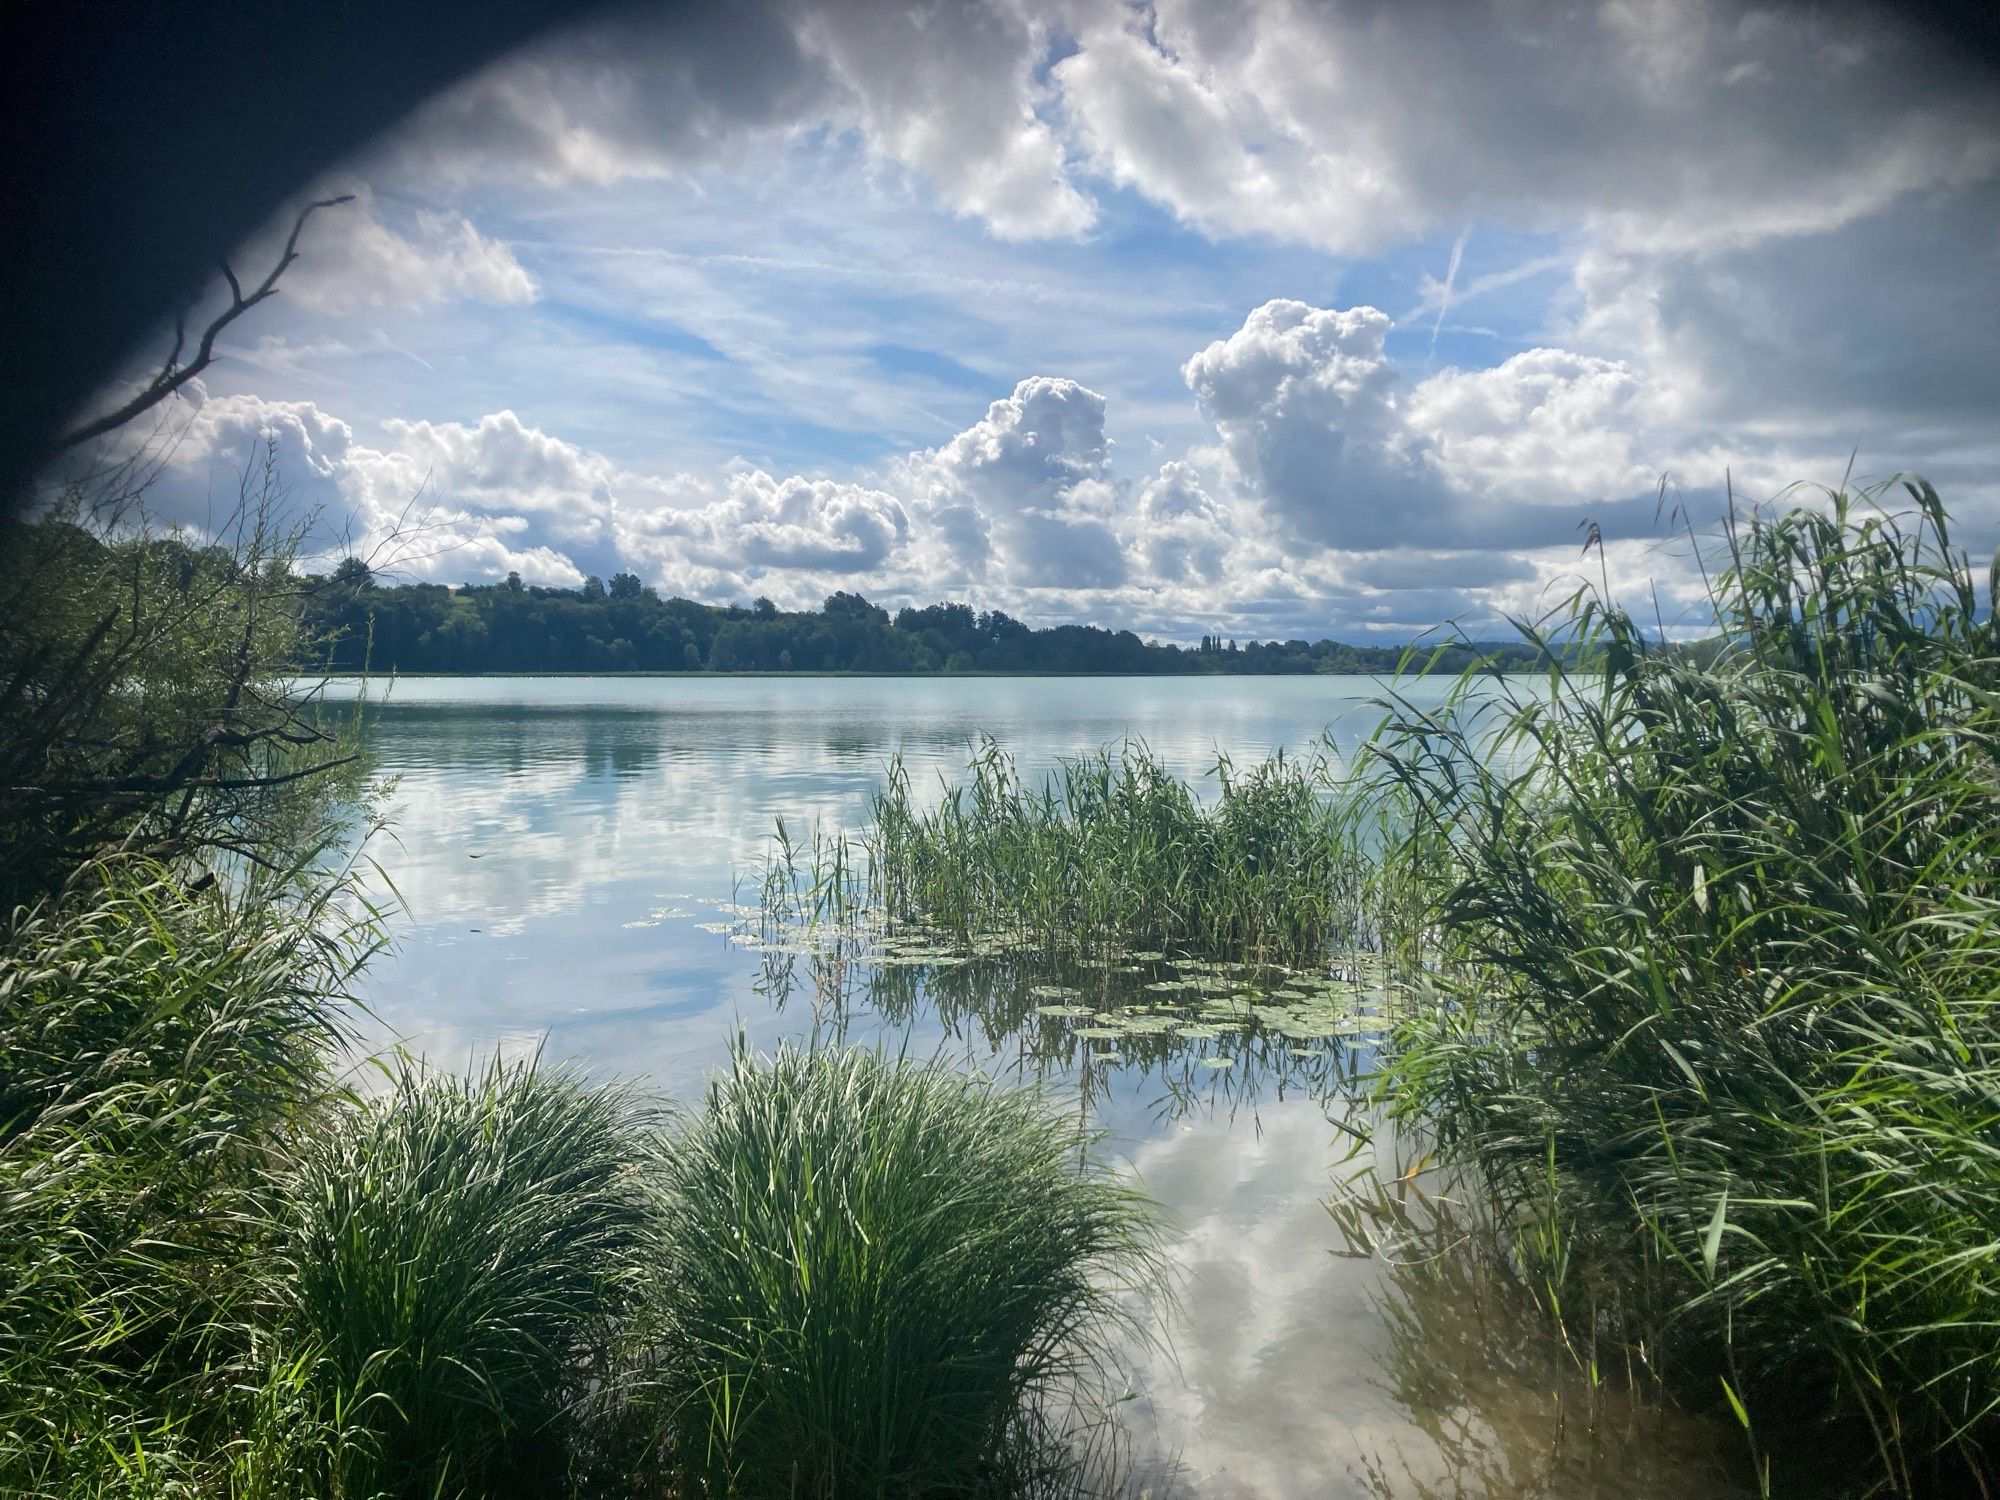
(626, 627)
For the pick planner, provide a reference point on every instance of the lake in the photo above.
(570, 854)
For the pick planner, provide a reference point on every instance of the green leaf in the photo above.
(1711, 1243)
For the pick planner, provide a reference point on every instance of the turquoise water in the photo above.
(564, 847)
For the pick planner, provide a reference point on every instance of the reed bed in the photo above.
(1695, 957)
(1110, 852)
(1721, 1025)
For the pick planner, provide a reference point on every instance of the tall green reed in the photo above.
(1109, 851)
(1720, 1013)
(157, 1046)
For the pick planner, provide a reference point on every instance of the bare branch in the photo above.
(148, 787)
(173, 358)
(172, 378)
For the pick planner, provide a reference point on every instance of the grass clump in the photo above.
(1723, 1019)
(879, 1275)
(1114, 851)
(460, 1257)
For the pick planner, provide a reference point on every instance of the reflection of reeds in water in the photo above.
(1206, 1039)
(1507, 1406)
(1108, 919)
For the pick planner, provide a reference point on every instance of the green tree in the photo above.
(146, 684)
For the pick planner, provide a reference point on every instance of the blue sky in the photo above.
(1281, 318)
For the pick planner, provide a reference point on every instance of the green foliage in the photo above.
(1114, 851)
(220, 1274)
(1723, 1018)
(145, 700)
(627, 627)
(156, 1047)
(879, 1274)
(457, 1257)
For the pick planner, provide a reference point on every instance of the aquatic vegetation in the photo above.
(1722, 1023)
(1110, 855)
(877, 1272)
(457, 1257)
(1122, 1019)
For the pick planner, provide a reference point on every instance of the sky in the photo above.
(1268, 318)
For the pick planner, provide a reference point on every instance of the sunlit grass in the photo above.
(880, 1274)
(459, 1258)
(1723, 1021)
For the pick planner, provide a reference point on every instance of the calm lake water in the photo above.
(567, 850)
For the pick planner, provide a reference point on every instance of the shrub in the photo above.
(148, 693)
(878, 1273)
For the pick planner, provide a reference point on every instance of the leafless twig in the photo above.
(173, 375)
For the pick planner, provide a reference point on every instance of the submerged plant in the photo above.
(1724, 1010)
(878, 1275)
(461, 1254)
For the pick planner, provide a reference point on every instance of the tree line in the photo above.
(626, 626)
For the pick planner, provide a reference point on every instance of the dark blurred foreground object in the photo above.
(143, 143)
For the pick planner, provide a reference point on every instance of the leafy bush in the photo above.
(146, 693)
(877, 1273)
(1725, 1012)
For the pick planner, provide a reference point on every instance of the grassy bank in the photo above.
(1722, 1019)
(226, 1275)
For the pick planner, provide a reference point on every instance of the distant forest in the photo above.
(625, 626)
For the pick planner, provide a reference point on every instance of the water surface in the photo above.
(565, 848)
